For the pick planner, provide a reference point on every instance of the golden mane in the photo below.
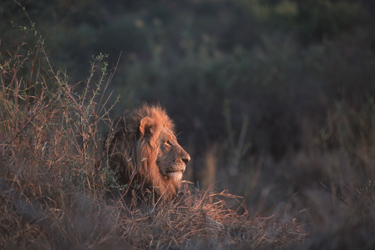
(135, 151)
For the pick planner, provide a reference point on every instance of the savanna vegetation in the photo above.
(274, 101)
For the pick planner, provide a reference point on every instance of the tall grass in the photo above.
(50, 147)
(53, 175)
(53, 179)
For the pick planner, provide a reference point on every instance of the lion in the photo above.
(146, 156)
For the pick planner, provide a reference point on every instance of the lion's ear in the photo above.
(147, 127)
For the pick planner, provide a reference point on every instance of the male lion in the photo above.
(145, 154)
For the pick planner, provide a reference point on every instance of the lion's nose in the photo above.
(186, 158)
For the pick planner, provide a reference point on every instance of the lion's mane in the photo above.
(133, 151)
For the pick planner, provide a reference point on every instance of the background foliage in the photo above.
(274, 99)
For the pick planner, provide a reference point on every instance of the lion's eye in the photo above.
(168, 143)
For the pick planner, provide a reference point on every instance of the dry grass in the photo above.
(202, 219)
(53, 180)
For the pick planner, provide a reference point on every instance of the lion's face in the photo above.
(171, 157)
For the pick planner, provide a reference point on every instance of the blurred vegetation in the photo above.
(274, 98)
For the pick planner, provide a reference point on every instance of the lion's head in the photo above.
(146, 155)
